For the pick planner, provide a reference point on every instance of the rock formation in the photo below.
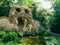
(6, 25)
(23, 15)
(20, 17)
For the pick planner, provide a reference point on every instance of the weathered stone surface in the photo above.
(5, 23)
(20, 18)
(23, 15)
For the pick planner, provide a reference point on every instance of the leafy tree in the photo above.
(45, 16)
(4, 7)
(56, 26)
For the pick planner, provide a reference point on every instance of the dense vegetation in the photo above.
(50, 20)
(12, 38)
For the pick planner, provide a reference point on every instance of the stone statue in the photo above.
(20, 17)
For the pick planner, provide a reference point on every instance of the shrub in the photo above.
(41, 32)
(10, 36)
(47, 34)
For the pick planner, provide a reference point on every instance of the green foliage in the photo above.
(47, 34)
(52, 40)
(44, 33)
(4, 7)
(40, 32)
(56, 26)
(10, 36)
(2, 34)
(11, 43)
(45, 16)
(26, 2)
